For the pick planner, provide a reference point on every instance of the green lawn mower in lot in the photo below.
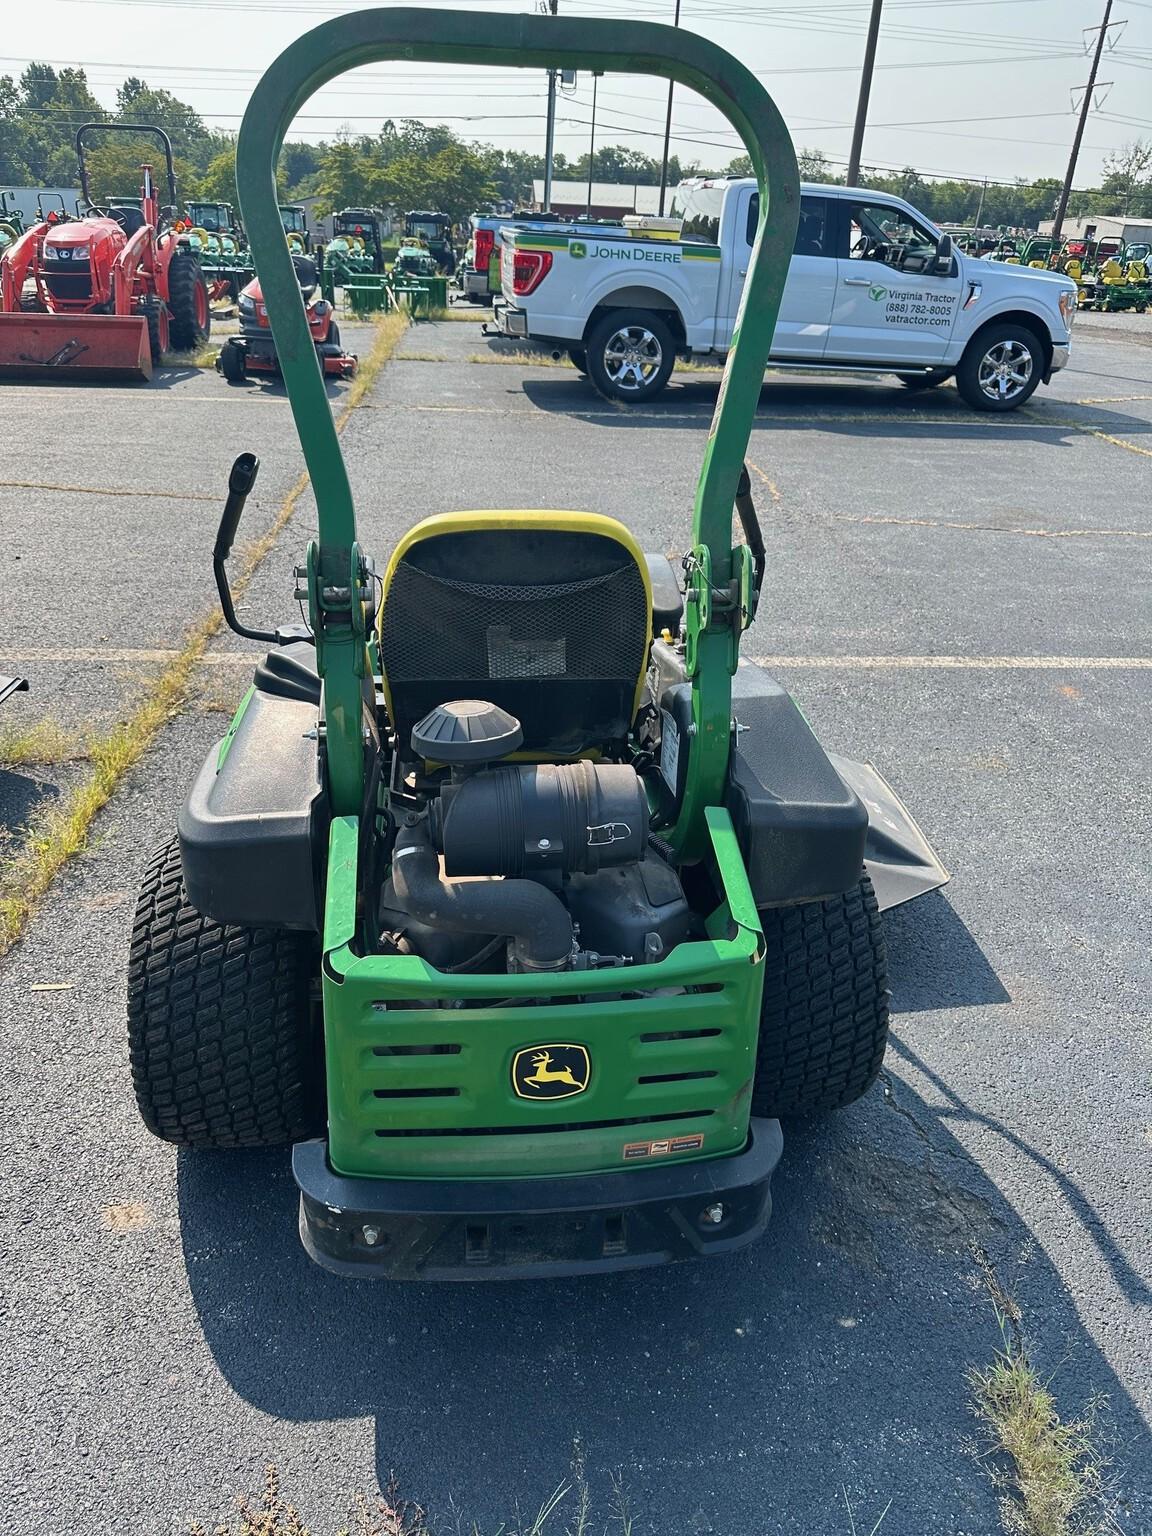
(513, 898)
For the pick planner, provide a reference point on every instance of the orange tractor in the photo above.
(106, 295)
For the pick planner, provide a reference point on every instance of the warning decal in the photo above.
(635, 1149)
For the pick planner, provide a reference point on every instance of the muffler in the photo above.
(74, 347)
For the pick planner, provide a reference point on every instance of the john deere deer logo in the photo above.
(551, 1071)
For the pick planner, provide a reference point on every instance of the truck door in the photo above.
(806, 307)
(890, 306)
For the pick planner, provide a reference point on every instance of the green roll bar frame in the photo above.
(720, 600)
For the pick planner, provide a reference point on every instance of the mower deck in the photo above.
(533, 1228)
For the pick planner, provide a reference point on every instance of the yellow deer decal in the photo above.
(544, 1073)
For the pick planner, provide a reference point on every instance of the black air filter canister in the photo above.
(542, 816)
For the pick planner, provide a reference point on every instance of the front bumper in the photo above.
(516, 1229)
(1060, 355)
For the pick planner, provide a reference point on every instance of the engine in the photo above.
(525, 866)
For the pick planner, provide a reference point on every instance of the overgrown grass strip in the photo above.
(64, 831)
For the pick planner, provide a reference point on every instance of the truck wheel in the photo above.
(579, 359)
(233, 363)
(1001, 367)
(188, 302)
(223, 1045)
(919, 381)
(824, 1016)
(631, 355)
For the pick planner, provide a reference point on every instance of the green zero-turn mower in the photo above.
(512, 898)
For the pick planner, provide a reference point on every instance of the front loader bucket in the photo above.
(67, 347)
(897, 855)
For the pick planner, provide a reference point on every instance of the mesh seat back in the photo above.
(550, 622)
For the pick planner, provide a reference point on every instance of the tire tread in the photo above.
(221, 1040)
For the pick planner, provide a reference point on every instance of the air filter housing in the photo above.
(466, 732)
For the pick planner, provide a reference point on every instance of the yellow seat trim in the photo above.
(442, 523)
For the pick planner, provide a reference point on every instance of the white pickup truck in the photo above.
(872, 287)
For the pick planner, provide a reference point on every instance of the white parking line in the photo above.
(126, 656)
(962, 663)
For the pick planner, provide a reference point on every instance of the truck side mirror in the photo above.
(942, 265)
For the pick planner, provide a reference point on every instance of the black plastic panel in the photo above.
(253, 828)
(801, 829)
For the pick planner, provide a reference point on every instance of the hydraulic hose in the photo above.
(531, 915)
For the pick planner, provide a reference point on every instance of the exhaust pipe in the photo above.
(556, 354)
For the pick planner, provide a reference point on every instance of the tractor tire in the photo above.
(233, 362)
(631, 354)
(154, 314)
(919, 381)
(191, 319)
(224, 1048)
(1001, 367)
(824, 1014)
(579, 359)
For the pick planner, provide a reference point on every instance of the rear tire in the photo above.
(631, 355)
(824, 1015)
(188, 302)
(223, 1045)
(579, 359)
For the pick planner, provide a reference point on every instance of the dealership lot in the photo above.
(963, 600)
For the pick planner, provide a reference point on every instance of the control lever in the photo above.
(240, 482)
(750, 524)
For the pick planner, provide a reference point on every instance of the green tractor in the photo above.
(414, 259)
(513, 899)
(294, 226)
(433, 230)
(11, 223)
(357, 241)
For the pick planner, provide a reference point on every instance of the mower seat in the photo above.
(547, 614)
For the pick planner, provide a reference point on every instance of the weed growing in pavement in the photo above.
(520, 359)
(390, 1514)
(63, 833)
(1049, 1473)
(36, 745)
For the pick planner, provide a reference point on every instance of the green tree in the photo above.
(218, 183)
(456, 181)
(1127, 184)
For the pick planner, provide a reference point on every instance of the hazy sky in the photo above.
(967, 87)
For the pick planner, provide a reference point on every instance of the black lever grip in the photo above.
(240, 482)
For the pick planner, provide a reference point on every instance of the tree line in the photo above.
(412, 164)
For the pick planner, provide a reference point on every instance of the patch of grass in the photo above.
(1049, 1473)
(36, 745)
(64, 832)
(520, 359)
(203, 357)
(389, 1514)
(477, 314)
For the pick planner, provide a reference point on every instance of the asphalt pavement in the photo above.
(965, 602)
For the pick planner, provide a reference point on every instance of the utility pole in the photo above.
(550, 130)
(596, 73)
(1085, 108)
(980, 204)
(667, 129)
(865, 91)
